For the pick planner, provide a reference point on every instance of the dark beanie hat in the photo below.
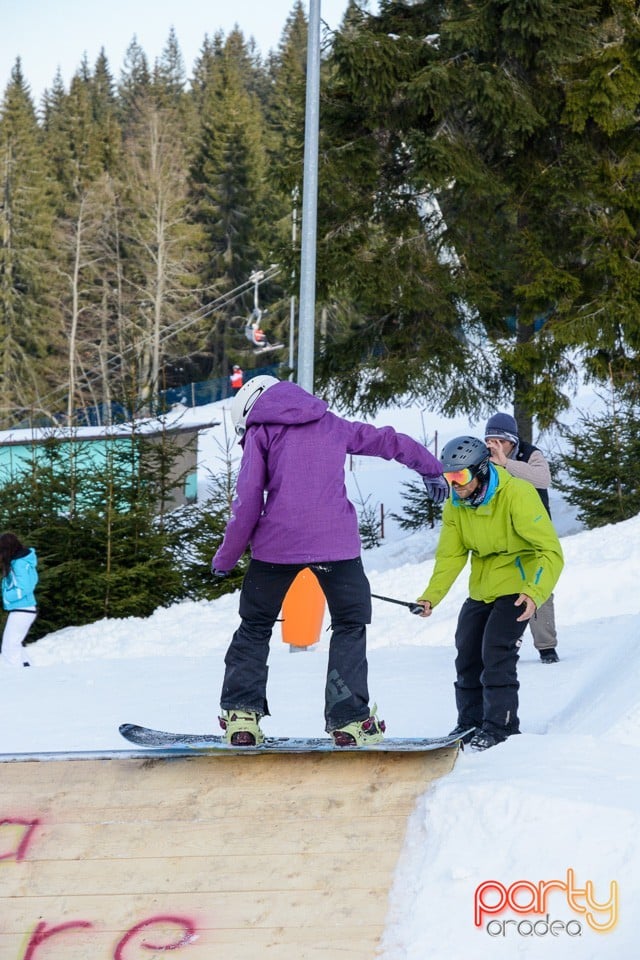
(502, 425)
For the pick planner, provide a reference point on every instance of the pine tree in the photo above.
(502, 85)
(603, 90)
(104, 108)
(135, 82)
(230, 164)
(599, 475)
(169, 77)
(53, 126)
(204, 69)
(490, 130)
(87, 125)
(381, 258)
(284, 140)
(26, 227)
(97, 524)
(418, 510)
(228, 176)
(286, 105)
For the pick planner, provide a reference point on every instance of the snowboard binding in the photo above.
(359, 733)
(241, 728)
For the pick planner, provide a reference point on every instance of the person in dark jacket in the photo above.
(19, 566)
(291, 507)
(524, 460)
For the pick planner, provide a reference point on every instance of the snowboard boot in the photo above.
(463, 732)
(484, 740)
(359, 733)
(241, 728)
(549, 655)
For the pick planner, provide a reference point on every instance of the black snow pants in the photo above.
(348, 595)
(488, 638)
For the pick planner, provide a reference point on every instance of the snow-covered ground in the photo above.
(560, 803)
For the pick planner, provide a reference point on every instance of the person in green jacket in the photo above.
(516, 559)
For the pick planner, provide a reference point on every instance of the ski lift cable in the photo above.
(210, 308)
(178, 327)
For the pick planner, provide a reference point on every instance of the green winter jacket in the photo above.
(514, 547)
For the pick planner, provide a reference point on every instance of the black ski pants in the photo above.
(348, 594)
(488, 639)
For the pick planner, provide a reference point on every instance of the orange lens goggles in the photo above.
(461, 477)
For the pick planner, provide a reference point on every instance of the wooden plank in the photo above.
(73, 841)
(280, 943)
(363, 767)
(277, 871)
(165, 813)
(287, 857)
(196, 785)
(216, 910)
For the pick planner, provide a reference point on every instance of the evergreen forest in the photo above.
(478, 219)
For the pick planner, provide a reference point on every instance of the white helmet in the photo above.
(245, 399)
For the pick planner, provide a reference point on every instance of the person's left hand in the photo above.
(437, 488)
(529, 607)
(497, 449)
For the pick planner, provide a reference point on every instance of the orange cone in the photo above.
(303, 611)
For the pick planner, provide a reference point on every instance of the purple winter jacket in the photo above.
(294, 450)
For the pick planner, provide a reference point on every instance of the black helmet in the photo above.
(466, 452)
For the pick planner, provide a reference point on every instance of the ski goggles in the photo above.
(461, 477)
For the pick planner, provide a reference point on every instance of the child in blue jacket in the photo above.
(19, 566)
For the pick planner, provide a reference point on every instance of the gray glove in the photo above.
(219, 574)
(437, 488)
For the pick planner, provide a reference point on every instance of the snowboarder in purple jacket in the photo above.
(291, 508)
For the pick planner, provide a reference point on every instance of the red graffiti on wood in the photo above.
(144, 932)
(40, 934)
(19, 852)
(188, 935)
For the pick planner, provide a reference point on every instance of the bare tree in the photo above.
(161, 263)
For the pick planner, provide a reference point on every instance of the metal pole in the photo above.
(292, 301)
(306, 313)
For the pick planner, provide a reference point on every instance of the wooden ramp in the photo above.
(237, 858)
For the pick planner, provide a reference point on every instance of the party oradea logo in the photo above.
(534, 905)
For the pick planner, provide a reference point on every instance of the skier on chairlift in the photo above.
(254, 331)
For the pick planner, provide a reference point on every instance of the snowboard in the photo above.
(162, 739)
